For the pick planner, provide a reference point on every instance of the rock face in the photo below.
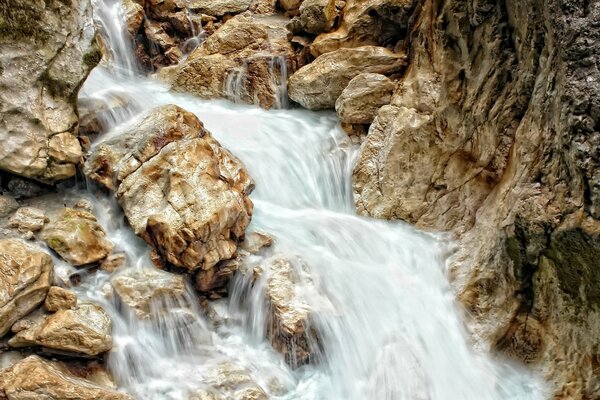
(363, 97)
(180, 190)
(46, 52)
(148, 290)
(85, 329)
(36, 378)
(317, 86)
(247, 60)
(77, 237)
(315, 16)
(492, 134)
(25, 277)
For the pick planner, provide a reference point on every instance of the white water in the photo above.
(389, 325)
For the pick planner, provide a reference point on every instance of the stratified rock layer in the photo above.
(46, 51)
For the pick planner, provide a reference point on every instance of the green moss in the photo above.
(92, 58)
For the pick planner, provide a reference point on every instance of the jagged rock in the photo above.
(363, 97)
(263, 7)
(255, 241)
(8, 205)
(113, 262)
(36, 378)
(85, 329)
(180, 190)
(134, 16)
(147, 290)
(316, 16)
(77, 237)
(317, 86)
(28, 219)
(367, 22)
(217, 277)
(47, 52)
(235, 381)
(290, 6)
(288, 321)
(246, 59)
(218, 8)
(60, 299)
(84, 204)
(25, 277)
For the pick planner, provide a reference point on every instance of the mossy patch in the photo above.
(19, 20)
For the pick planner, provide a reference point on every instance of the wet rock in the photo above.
(84, 204)
(60, 299)
(28, 219)
(134, 16)
(263, 7)
(8, 205)
(156, 33)
(180, 190)
(25, 277)
(77, 237)
(234, 381)
(247, 60)
(84, 329)
(113, 262)
(48, 52)
(255, 241)
(148, 290)
(367, 22)
(316, 16)
(36, 378)
(363, 97)
(317, 86)
(217, 277)
(23, 188)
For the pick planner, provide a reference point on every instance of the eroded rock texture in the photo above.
(180, 190)
(47, 50)
(493, 134)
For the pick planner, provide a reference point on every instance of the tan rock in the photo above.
(25, 277)
(36, 378)
(290, 5)
(134, 16)
(235, 381)
(317, 86)
(47, 54)
(255, 241)
(113, 262)
(28, 219)
(148, 290)
(85, 329)
(263, 7)
(363, 97)
(60, 299)
(218, 8)
(316, 16)
(156, 165)
(77, 237)
(8, 204)
(216, 277)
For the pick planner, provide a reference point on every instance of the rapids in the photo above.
(389, 325)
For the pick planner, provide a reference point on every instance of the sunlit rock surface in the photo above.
(363, 97)
(77, 237)
(26, 273)
(60, 299)
(315, 16)
(180, 190)
(28, 219)
(46, 51)
(317, 85)
(36, 378)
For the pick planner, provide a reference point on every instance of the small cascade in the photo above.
(234, 84)
(279, 64)
(197, 35)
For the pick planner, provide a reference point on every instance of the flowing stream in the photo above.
(388, 323)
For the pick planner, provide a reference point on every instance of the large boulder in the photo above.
(25, 276)
(246, 60)
(368, 22)
(84, 329)
(147, 290)
(46, 51)
(317, 86)
(180, 190)
(77, 237)
(363, 97)
(36, 378)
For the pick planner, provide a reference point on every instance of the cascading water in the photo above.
(388, 324)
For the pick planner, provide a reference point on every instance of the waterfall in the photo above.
(389, 326)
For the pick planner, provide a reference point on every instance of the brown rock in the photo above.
(134, 16)
(60, 299)
(28, 219)
(8, 204)
(254, 241)
(156, 164)
(113, 262)
(363, 97)
(218, 8)
(25, 277)
(216, 277)
(85, 329)
(316, 16)
(290, 5)
(77, 237)
(317, 86)
(36, 378)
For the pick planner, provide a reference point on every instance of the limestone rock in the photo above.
(47, 52)
(317, 86)
(218, 8)
(8, 204)
(255, 241)
(60, 299)
(113, 262)
(148, 290)
(367, 22)
(77, 237)
(316, 16)
(28, 219)
(363, 97)
(85, 329)
(36, 378)
(180, 190)
(247, 60)
(217, 277)
(25, 277)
